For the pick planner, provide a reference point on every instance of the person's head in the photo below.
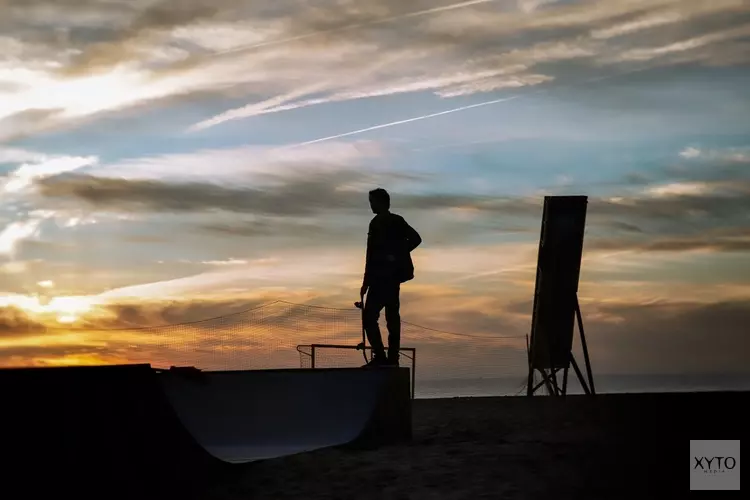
(380, 201)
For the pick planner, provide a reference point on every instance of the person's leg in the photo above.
(393, 320)
(373, 305)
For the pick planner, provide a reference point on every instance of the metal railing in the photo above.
(406, 352)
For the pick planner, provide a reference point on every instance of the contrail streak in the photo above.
(456, 110)
(418, 13)
(408, 120)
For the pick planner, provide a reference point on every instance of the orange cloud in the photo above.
(467, 335)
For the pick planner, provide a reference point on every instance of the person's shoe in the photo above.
(392, 362)
(375, 362)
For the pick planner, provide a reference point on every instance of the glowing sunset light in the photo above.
(64, 309)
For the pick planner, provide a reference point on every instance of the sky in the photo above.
(165, 161)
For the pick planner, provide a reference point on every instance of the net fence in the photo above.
(278, 335)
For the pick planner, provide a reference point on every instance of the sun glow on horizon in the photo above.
(65, 309)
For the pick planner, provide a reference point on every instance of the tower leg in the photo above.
(584, 347)
(530, 382)
(579, 374)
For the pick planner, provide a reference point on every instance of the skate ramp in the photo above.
(253, 415)
(114, 429)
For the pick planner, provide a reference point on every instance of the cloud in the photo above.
(624, 336)
(718, 157)
(54, 355)
(24, 176)
(289, 196)
(272, 226)
(736, 239)
(285, 271)
(16, 232)
(680, 189)
(158, 313)
(101, 34)
(298, 197)
(677, 211)
(683, 46)
(711, 201)
(20, 120)
(665, 337)
(472, 35)
(115, 312)
(336, 270)
(13, 267)
(63, 309)
(303, 181)
(109, 56)
(16, 155)
(690, 152)
(133, 332)
(651, 20)
(249, 164)
(444, 85)
(14, 321)
(229, 262)
(496, 83)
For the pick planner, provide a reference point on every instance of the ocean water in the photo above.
(509, 386)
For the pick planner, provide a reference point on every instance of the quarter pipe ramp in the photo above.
(110, 430)
(245, 416)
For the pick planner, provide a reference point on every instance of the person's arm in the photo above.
(413, 240)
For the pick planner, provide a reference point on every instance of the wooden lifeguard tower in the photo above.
(556, 306)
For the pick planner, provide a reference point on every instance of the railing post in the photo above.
(413, 371)
(312, 356)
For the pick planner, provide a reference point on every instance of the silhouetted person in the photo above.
(390, 241)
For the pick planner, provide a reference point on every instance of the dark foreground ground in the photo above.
(611, 446)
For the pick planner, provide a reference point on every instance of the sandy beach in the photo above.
(611, 446)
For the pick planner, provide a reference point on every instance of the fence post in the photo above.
(312, 357)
